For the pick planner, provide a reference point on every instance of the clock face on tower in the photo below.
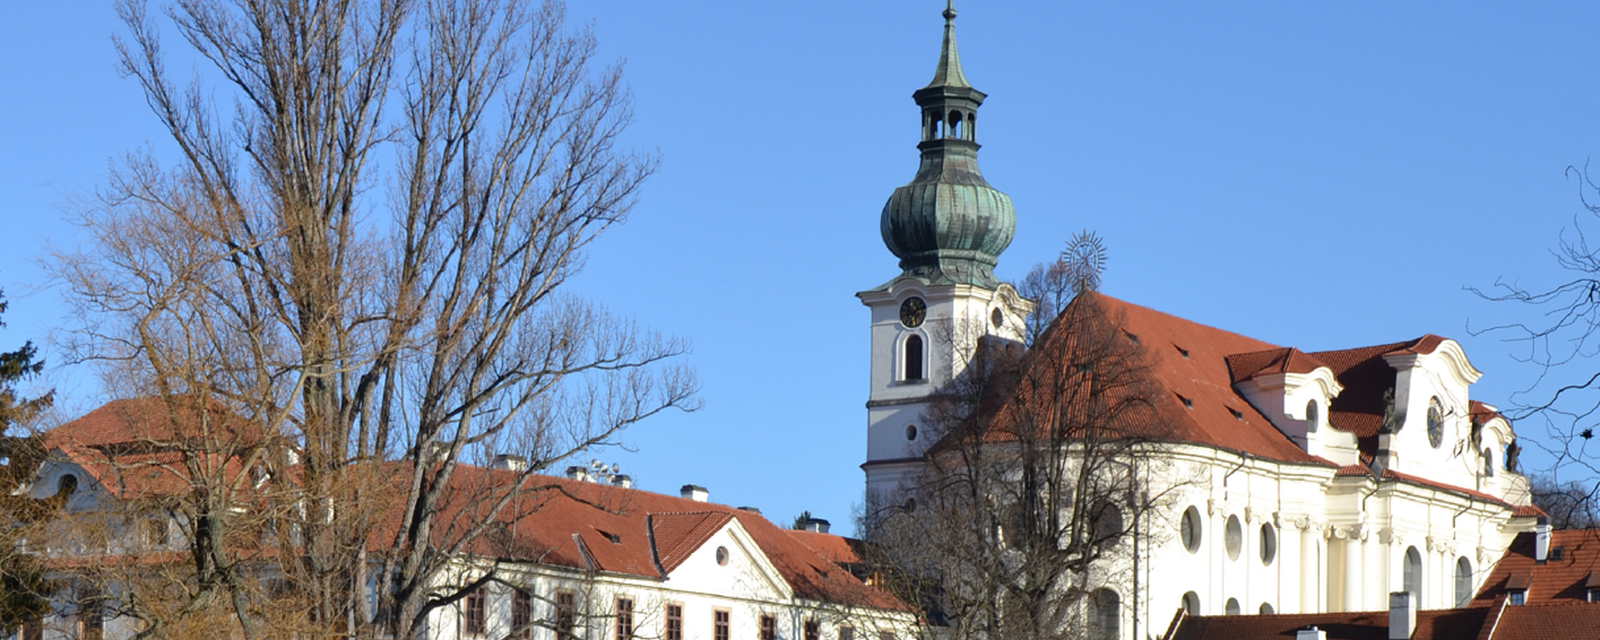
(912, 311)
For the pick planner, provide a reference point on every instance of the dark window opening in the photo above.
(474, 620)
(769, 628)
(813, 630)
(521, 615)
(914, 358)
(674, 622)
(720, 625)
(566, 613)
(624, 618)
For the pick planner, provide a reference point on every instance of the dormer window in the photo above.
(1313, 416)
(1435, 422)
(1517, 596)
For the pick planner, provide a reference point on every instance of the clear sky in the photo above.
(1320, 175)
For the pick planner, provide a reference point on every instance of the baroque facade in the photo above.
(1293, 482)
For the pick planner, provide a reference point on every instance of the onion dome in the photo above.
(948, 226)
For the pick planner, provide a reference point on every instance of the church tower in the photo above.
(947, 227)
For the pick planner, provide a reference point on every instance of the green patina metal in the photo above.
(948, 226)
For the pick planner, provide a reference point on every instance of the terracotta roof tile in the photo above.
(677, 535)
(1562, 579)
(1244, 366)
(1365, 377)
(1439, 624)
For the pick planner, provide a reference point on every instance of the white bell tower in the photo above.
(948, 227)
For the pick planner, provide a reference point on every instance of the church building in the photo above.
(1296, 482)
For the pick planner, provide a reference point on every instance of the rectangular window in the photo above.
(674, 622)
(1519, 597)
(566, 613)
(1594, 594)
(624, 618)
(769, 628)
(521, 615)
(813, 630)
(847, 633)
(720, 623)
(91, 626)
(474, 619)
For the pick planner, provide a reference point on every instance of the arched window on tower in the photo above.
(913, 358)
(955, 125)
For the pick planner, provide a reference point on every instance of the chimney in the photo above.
(1541, 540)
(1310, 633)
(510, 462)
(1402, 616)
(751, 510)
(816, 525)
(622, 480)
(578, 472)
(694, 492)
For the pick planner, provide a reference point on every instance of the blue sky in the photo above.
(1316, 175)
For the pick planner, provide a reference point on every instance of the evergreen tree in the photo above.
(22, 585)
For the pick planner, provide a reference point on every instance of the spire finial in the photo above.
(949, 71)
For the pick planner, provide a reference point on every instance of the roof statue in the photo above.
(948, 226)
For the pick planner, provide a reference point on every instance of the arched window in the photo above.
(955, 125)
(1107, 522)
(1105, 615)
(1313, 416)
(1488, 463)
(1463, 582)
(914, 357)
(1413, 574)
(1191, 603)
(1266, 609)
(1233, 607)
(66, 486)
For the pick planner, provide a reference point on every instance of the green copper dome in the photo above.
(948, 226)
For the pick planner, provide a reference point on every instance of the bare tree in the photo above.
(1035, 498)
(1559, 343)
(1571, 504)
(349, 284)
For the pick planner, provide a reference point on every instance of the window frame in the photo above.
(521, 614)
(721, 624)
(475, 613)
(623, 617)
(566, 610)
(811, 629)
(672, 621)
(767, 627)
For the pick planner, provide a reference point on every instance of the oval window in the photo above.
(1269, 544)
(1189, 529)
(911, 432)
(1435, 422)
(722, 556)
(1234, 537)
(997, 318)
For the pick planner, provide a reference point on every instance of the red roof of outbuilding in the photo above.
(1558, 579)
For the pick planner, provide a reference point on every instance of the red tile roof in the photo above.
(1188, 371)
(147, 423)
(1365, 377)
(1244, 366)
(1557, 580)
(589, 526)
(1437, 624)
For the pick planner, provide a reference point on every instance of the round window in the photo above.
(1189, 529)
(1269, 544)
(1435, 423)
(1233, 537)
(722, 556)
(997, 318)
